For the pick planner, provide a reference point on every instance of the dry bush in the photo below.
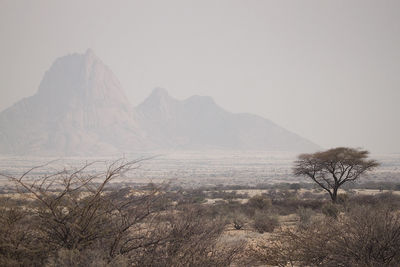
(238, 220)
(192, 241)
(259, 202)
(290, 206)
(312, 195)
(73, 220)
(330, 210)
(305, 216)
(366, 236)
(264, 222)
(388, 199)
(18, 242)
(85, 258)
(280, 194)
(227, 195)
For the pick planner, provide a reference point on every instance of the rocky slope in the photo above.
(79, 109)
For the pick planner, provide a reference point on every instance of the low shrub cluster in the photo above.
(364, 235)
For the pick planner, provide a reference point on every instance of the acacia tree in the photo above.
(332, 168)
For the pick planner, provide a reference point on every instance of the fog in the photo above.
(326, 70)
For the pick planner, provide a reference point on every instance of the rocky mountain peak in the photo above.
(159, 92)
(81, 109)
(158, 100)
(84, 79)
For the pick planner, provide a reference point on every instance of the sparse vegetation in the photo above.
(72, 220)
(80, 218)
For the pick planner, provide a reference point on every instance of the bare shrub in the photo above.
(277, 195)
(290, 206)
(330, 210)
(305, 216)
(18, 242)
(85, 258)
(366, 236)
(259, 202)
(74, 220)
(192, 241)
(264, 222)
(238, 220)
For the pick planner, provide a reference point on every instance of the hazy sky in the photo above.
(327, 70)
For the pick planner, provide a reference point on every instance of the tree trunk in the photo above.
(334, 195)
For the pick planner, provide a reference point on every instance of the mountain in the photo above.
(198, 123)
(81, 109)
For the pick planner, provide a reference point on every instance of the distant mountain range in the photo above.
(81, 109)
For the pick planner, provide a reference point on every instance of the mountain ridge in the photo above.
(197, 114)
(80, 108)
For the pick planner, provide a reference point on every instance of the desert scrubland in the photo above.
(194, 209)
